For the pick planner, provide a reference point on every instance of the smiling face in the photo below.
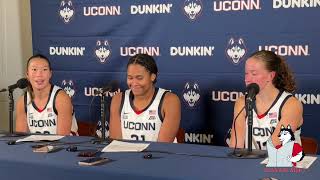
(39, 73)
(256, 72)
(139, 80)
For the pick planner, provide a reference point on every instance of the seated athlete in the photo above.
(44, 108)
(144, 112)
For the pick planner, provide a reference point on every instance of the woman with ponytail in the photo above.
(44, 108)
(274, 106)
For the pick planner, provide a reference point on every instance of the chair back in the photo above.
(309, 145)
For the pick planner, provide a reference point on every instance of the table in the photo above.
(170, 161)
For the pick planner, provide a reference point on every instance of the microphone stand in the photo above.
(249, 153)
(21, 83)
(11, 108)
(103, 118)
(102, 140)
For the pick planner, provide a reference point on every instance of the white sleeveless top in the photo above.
(45, 121)
(146, 125)
(263, 128)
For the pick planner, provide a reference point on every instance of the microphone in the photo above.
(111, 86)
(21, 83)
(252, 90)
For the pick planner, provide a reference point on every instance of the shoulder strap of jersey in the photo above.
(54, 99)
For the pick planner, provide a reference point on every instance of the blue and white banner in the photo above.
(200, 47)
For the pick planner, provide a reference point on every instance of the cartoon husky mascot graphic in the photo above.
(191, 94)
(236, 49)
(68, 87)
(102, 50)
(66, 10)
(192, 8)
(288, 153)
(99, 129)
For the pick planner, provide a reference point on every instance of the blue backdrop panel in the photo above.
(194, 43)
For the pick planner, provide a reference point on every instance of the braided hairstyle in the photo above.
(147, 62)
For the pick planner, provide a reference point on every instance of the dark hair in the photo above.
(39, 56)
(147, 62)
(283, 79)
(288, 130)
(29, 88)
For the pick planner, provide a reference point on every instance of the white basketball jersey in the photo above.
(45, 121)
(264, 126)
(146, 125)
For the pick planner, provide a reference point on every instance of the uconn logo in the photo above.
(95, 91)
(102, 11)
(226, 96)
(68, 87)
(236, 50)
(236, 5)
(131, 51)
(287, 50)
(191, 94)
(66, 11)
(232, 96)
(102, 51)
(192, 8)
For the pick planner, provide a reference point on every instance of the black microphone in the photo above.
(21, 83)
(111, 86)
(252, 90)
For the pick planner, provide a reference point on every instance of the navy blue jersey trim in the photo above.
(25, 102)
(35, 106)
(54, 101)
(160, 106)
(131, 97)
(123, 96)
(282, 104)
(274, 102)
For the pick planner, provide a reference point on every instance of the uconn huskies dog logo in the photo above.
(288, 153)
(99, 129)
(191, 94)
(68, 87)
(102, 51)
(192, 8)
(66, 11)
(236, 50)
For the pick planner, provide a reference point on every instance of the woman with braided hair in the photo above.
(144, 112)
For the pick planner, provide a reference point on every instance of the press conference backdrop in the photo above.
(200, 47)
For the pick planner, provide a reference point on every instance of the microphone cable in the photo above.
(187, 154)
(235, 131)
(90, 112)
